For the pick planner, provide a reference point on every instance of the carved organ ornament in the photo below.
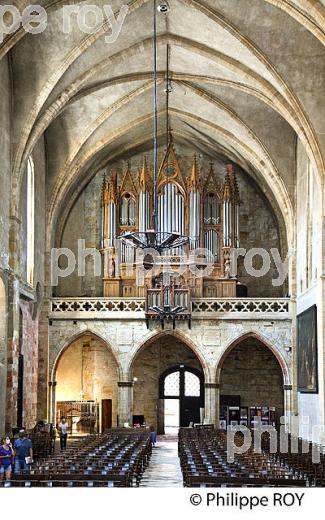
(195, 206)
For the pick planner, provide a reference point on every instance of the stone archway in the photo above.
(85, 376)
(160, 354)
(252, 373)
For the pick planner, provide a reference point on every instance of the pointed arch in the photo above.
(71, 340)
(180, 336)
(275, 351)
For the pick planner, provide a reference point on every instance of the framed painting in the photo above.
(307, 351)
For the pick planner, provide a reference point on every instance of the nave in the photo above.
(164, 469)
(199, 457)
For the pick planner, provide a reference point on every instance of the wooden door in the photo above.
(106, 414)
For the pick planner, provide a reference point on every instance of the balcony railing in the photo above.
(277, 307)
(97, 305)
(201, 308)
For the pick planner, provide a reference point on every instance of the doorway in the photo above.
(171, 415)
(106, 414)
(182, 397)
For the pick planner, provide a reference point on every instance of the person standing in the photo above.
(24, 452)
(63, 432)
(6, 458)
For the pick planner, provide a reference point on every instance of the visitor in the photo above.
(153, 436)
(63, 432)
(23, 453)
(6, 458)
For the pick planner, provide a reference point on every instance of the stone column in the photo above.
(52, 390)
(211, 403)
(43, 387)
(287, 390)
(125, 402)
(3, 352)
(14, 250)
(13, 320)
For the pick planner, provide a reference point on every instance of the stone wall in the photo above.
(252, 371)
(5, 191)
(5, 114)
(144, 353)
(13, 323)
(310, 283)
(210, 339)
(3, 354)
(29, 349)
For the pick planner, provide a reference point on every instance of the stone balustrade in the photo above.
(252, 308)
(202, 308)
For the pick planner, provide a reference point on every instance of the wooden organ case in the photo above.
(194, 205)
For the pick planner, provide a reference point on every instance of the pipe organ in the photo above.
(192, 204)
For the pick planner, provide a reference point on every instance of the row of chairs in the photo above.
(295, 452)
(43, 444)
(204, 461)
(114, 459)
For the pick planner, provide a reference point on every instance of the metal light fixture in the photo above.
(152, 238)
(163, 7)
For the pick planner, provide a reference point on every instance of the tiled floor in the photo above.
(164, 469)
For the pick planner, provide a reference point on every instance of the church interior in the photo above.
(161, 242)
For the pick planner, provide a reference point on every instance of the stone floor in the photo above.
(164, 469)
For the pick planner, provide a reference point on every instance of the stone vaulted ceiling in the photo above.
(248, 76)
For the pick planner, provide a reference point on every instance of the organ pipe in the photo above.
(194, 207)
(144, 199)
(109, 212)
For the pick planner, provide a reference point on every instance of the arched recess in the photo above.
(3, 355)
(157, 356)
(86, 370)
(177, 335)
(252, 372)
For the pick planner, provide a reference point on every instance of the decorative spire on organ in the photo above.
(143, 177)
(128, 185)
(112, 189)
(104, 190)
(211, 184)
(170, 169)
(194, 178)
(233, 182)
(227, 186)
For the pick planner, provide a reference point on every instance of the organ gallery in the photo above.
(190, 203)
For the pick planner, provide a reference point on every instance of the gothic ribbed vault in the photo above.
(233, 69)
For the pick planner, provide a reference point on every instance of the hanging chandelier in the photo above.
(153, 238)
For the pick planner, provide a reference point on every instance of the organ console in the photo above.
(190, 204)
